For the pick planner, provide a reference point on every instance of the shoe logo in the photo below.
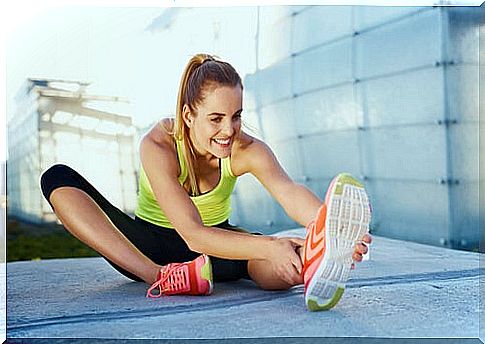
(317, 236)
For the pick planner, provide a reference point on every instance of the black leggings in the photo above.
(162, 245)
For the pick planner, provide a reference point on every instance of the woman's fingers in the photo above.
(357, 257)
(297, 241)
(361, 248)
(367, 238)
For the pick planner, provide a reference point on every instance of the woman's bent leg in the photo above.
(257, 270)
(262, 274)
(86, 220)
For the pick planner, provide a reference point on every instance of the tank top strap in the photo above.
(180, 155)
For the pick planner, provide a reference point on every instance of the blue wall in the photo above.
(389, 94)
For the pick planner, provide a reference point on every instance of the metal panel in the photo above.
(463, 40)
(412, 153)
(254, 202)
(327, 155)
(410, 210)
(274, 32)
(409, 43)
(280, 221)
(320, 24)
(465, 210)
(276, 82)
(463, 99)
(369, 16)
(288, 155)
(251, 92)
(464, 151)
(325, 66)
(320, 186)
(277, 120)
(330, 109)
(414, 97)
(272, 14)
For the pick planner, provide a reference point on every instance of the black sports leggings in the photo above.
(162, 245)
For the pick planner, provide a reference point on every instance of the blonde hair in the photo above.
(203, 71)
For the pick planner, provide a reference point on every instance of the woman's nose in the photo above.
(228, 129)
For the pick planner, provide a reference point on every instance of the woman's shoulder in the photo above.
(246, 150)
(247, 143)
(157, 148)
(162, 132)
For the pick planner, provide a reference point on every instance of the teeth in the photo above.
(222, 142)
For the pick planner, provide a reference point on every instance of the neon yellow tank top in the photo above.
(214, 206)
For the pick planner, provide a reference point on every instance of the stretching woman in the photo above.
(189, 167)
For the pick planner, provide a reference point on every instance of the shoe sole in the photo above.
(347, 221)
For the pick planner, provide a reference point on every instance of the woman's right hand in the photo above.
(285, 260)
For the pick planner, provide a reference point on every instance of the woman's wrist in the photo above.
(268, 245)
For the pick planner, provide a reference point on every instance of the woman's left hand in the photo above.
(361, 249)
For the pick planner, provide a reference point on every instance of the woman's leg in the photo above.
(257, 270)
(262, 274)
(72, 200)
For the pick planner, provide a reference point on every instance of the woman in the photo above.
(188, 170)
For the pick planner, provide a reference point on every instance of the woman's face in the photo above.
(217, 121)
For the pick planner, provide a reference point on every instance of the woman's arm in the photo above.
(300, 203)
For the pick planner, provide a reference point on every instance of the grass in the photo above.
(34, 242)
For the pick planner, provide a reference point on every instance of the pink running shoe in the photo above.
(189, 278)
(341, 222)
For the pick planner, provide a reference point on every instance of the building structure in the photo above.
(57, 121)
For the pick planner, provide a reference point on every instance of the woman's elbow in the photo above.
(193, 239)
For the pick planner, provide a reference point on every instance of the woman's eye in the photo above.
(237, 118)
(216, 120)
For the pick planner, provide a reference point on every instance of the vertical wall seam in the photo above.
(444, 15)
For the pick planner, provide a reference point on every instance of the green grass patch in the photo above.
(34, 242)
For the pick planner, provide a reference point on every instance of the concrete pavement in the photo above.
(405, 290)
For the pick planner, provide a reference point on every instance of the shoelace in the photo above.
(172, 277)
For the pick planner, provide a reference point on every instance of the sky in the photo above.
(112, 48)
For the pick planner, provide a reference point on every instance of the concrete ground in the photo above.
(405, 290)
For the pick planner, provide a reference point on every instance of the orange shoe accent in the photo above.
(189, 278)
(314, 245)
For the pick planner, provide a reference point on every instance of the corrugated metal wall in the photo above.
(387, 94)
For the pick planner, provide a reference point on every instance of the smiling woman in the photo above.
(180, 240)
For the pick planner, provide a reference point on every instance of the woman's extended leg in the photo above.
(85, 219)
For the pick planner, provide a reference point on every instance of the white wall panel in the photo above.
(325, 66)
(416, 211)
(329, 109)
(289, 156)
(278, 121)
(409, 43)
(415, 97)
(463, 99)
(277, 83)
(414, 152)
(369, 16)
(274, 32)
(326, 155)
(320, 24)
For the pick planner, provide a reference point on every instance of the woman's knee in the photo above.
(55, 176)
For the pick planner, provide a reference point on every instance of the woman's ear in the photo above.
(187, 116)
